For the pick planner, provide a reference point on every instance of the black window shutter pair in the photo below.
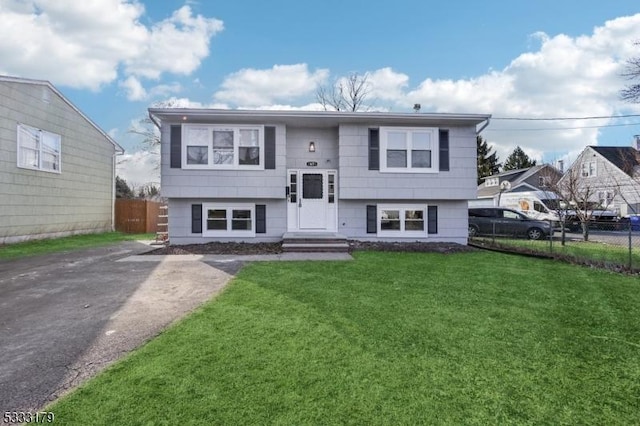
(196, 219)
(269, 147)
(374, 149)
(372, 219)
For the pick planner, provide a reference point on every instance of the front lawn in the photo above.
(390, 338)
(74, 242)
(581, 250)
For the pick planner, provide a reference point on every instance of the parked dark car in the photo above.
(506, 222)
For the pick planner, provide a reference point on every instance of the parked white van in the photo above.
(540, 205)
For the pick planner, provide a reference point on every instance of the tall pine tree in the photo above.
(487, 162)
(518, 160)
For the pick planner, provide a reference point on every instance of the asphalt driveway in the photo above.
(64, 317)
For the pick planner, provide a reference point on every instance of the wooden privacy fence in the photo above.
(137, 216)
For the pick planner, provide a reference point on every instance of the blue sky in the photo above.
(527, 59)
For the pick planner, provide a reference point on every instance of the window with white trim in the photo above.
(38, 149)
(223, 147)
(229, 220)
(402, 220)
(589, 169)
(409, 149)
(492, 182)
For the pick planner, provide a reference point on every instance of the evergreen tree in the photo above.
(123, 190)
(518, 160)
(487, 162)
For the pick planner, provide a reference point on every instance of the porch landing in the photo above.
(314, 242)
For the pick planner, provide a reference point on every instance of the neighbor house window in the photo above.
(406, 220)
(409, 149)
(589, 169)
(222, 220)
(223, 147)
(38, 149)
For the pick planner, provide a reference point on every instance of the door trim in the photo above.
(330, 197)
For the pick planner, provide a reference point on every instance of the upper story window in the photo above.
(544, 181)
(588, 169)
(409, 149)
(38, 149)
(223, 147)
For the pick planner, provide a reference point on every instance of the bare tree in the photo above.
(150, 134)
(631, 93)
(550, 178)
(581, 194)
(347, 94)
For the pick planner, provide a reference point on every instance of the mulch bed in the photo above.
(276, 248)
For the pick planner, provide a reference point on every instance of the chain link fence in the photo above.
(611, 245)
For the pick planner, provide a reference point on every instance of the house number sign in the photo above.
(312, 163)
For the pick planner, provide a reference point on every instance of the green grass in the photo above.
(75, 242)
(390, 338)
(591, 250)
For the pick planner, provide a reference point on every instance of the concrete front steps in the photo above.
(311, 242)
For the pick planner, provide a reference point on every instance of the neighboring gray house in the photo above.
(535, 178)
(57, 167)
(239, 175)
(612, 176)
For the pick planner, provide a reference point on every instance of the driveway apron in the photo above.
(65, 317)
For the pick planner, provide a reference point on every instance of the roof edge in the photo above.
(316, 114)
(7, 78)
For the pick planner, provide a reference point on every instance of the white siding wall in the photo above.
(35, 204)
(358, 182)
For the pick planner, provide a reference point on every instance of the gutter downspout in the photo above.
(113, 189)
(113, 192)
(154, 121)
(484, 126)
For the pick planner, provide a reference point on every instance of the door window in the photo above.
(311, 186)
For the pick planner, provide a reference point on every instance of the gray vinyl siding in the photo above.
(326, 141)
(358, 182)
(189, 183)
(180, 220)
(453, 220)
(38, 204)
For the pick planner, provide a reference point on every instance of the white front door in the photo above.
(312, 200)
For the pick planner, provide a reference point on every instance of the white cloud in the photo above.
(82, 44)
(565, 77)
(139, 168)
(176, 45)
(253, 87)
(134, 89)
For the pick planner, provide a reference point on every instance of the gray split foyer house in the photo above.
(260, 176)
(57, 167)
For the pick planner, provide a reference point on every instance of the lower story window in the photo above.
(229, 220)
(402, 220)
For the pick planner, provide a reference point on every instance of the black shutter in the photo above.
(176, 147)
(196, 218)
(444, 150)
(269, 147)
(372, 219)
(432, 221)
(261, 219)
(374, 149)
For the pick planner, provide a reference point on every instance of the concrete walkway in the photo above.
(226, 258)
